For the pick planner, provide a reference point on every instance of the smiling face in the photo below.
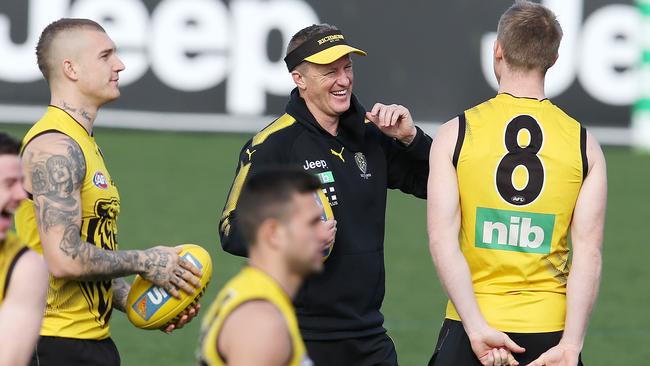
(327, 89)
(11, 191)
(97, 67)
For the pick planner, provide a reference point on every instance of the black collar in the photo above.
(351, 123)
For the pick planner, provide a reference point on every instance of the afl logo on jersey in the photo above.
(99, 180)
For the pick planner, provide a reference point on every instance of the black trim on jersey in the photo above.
(514, 96)
(11, 269)
(583, 152)
(462, 123)
(66, 112)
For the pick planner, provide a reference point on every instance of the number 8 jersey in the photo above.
(520, 165)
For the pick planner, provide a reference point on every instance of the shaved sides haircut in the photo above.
(49, 34)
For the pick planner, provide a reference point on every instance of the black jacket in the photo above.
(343, 301)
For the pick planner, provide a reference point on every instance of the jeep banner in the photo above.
(217, 65)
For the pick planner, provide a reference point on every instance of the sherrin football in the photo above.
(151, 307)
(326, 214)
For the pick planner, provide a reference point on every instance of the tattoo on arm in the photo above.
(120, 293)
(56, 183)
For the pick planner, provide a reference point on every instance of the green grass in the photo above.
(173, 188)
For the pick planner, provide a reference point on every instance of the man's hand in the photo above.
(165, 268)
(560, 355)
(328, 233)
(393, 120)
(186, 316)
(492, 347)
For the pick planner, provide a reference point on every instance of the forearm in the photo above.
(80, 260)
(582, 291)
(456, 279)
(120, 292)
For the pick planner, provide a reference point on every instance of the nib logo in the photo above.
(514, 230)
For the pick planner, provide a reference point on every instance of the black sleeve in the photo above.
(251, 159)
(408, 166)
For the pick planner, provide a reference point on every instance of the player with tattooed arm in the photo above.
(71, 213)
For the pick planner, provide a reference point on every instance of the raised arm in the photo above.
(584, 278)
(406, 148)
(54, 169)
(21, 311)
(443, 222)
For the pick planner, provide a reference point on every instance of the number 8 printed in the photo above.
(521, 156)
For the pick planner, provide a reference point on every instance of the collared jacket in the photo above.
(356, 167)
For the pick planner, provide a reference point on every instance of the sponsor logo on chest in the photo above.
(315, 164)
(100, 181)
(516, 231)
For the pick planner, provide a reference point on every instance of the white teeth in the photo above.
(339, 93)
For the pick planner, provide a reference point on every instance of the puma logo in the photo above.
(338, 154)
(250, 154)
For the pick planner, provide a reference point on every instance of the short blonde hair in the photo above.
(530, 36)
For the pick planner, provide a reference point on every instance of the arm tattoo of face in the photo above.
(54, 180)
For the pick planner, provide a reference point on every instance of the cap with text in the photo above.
(321, 49)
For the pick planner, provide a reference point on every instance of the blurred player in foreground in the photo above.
(23, 275)
(71, 214)
(252, 321)
(508, 179)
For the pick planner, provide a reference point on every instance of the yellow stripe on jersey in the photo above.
(249, 285)
(233, 197)
(77, 309)
(10, 251)
(279, 124)
(520, 165)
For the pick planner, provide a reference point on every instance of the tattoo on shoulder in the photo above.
(54, 178)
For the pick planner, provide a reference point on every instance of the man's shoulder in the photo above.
(280, 131)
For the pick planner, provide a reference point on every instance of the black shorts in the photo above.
(57, 351)
(375, 350)
(453, 346)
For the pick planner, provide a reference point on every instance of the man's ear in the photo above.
(498, 50)
(557, 55)
(272, 232)
(299, 79)
(69, 70)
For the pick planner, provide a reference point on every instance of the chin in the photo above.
(341, 108)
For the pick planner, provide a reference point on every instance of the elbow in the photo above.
(435, 250)
(64, 271)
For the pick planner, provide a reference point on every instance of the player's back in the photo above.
(520, 165)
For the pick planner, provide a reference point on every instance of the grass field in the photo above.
(173, 188)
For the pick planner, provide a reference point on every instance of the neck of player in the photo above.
(523, 84)
(327, 122)
(82, 111)
(278, 270)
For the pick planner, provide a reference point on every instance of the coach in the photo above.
(357, 155)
